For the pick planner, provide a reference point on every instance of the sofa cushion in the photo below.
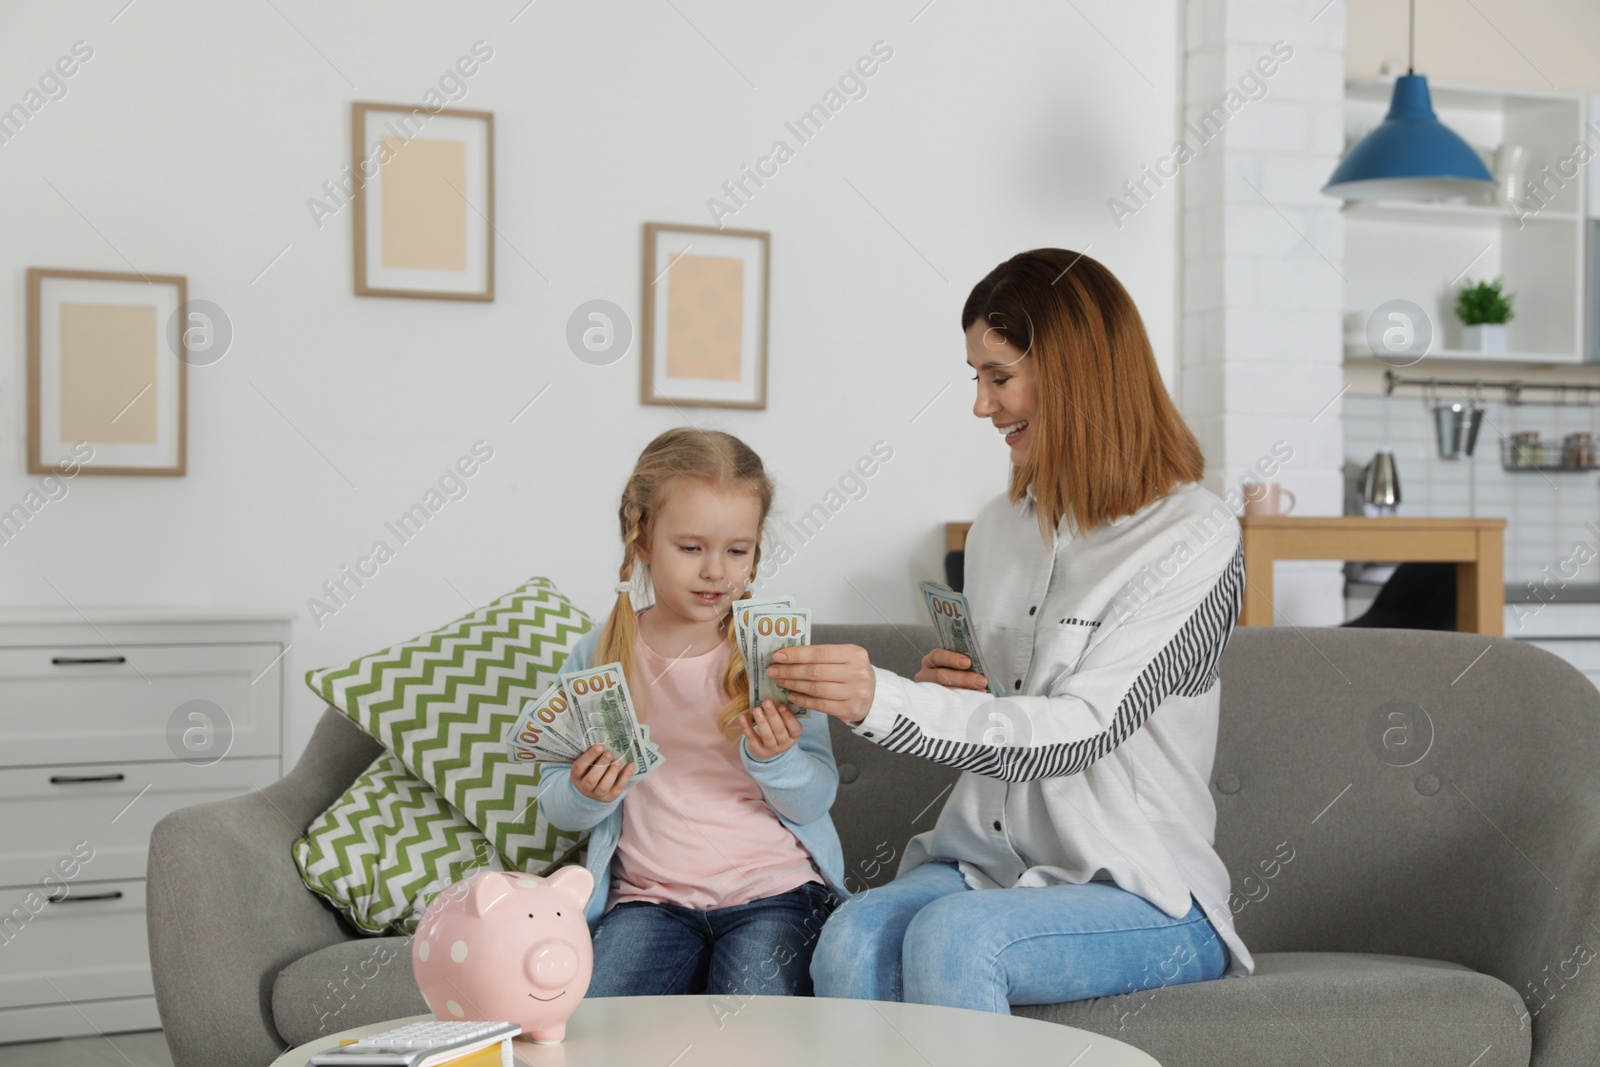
(1317, 1008)
(353, 983)
(443, 703)
(387, 847)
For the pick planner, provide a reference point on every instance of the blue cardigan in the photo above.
(798, 784)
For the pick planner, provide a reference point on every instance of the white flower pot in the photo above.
(1484, 338)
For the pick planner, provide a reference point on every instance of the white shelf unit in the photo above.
(92, 755)
(1425, 251)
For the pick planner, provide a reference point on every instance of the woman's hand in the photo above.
(769, 730)
(597, 775)
(836, 680)
(950, 669)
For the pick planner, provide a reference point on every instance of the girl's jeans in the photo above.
(763, 947)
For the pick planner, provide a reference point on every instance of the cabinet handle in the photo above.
(67, 898)
(78, 661)
(74, 779)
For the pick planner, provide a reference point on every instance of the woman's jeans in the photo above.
(763, 947)
(928, 938)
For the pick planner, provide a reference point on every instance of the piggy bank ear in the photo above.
(574, 881)
(488, 888)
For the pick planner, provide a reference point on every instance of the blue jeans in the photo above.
(928, 938)
(763, 947)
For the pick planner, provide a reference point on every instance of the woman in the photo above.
(1103, 587)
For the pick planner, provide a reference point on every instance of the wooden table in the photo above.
(738, 1031)
(1475, 546)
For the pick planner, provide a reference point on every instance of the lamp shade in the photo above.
(1411, 155)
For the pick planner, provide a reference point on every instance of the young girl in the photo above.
(716, 872)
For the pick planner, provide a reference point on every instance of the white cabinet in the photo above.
(1568, 630)
(1424, 252)
(109, 721)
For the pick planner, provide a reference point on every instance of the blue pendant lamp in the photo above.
(1411, 155)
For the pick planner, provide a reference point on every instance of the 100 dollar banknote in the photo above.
(773, 628)
(605, 715)
(957, 632)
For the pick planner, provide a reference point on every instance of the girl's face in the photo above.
(1005, 387)
(702, 541)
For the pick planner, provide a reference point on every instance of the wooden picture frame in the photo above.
(704, 336)
(424, 218)
(107, 372)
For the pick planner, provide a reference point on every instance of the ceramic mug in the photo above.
(1267, 498)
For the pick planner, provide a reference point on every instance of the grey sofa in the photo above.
(1411, 819)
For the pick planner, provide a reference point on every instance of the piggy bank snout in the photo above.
(551, 964)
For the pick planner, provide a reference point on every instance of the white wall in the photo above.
(1261, 365)
(192, 140)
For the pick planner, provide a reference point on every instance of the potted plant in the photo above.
(1484, 309)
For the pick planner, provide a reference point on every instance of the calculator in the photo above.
(420, 1044)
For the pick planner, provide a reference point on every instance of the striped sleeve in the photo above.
(1171, 646)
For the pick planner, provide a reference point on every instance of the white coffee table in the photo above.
(793, 1032)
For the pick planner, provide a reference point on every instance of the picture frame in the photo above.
(107, 372)
(705, 307)
(423, 201)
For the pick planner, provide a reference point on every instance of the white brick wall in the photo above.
(1263, 293)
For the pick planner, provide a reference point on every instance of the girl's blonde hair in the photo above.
(710, 456)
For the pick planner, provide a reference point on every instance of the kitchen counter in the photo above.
(1571, 593)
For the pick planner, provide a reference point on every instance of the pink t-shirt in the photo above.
(697, 831)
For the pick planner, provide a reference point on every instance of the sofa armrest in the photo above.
(1548, 945)
(226, 910)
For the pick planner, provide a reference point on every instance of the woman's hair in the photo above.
(722, 461)
(1107, 438)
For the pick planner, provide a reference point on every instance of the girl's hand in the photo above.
(950, 669)
(597, 775)
(836, 680)
(770, 730)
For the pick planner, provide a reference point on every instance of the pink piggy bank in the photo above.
(507, 946)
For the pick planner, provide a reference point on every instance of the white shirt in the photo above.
(1096, 763)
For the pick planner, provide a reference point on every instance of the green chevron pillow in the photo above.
(387, 847)
(442, 703)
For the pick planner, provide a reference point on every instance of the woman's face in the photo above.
(1005, 386)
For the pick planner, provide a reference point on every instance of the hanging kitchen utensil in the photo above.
(1474, 419)
(1449, 420)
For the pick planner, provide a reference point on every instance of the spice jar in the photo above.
(1578, 450)
(1526, 449)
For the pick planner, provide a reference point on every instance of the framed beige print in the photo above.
(106, 372)
(423, 201)
(705, 316)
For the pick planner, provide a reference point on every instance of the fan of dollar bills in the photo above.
(953, 619)
(579, 710)
(585, 708)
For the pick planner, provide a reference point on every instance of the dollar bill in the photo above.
(957, 632)
(741, 624)
(772, 628)
(544, 730)
(605, 714)
(742, 610)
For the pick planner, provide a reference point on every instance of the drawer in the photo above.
(87, 1018)
(102, 704)
(92, 947)
(111, 807)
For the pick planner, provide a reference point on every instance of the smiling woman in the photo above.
(1107, 876)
